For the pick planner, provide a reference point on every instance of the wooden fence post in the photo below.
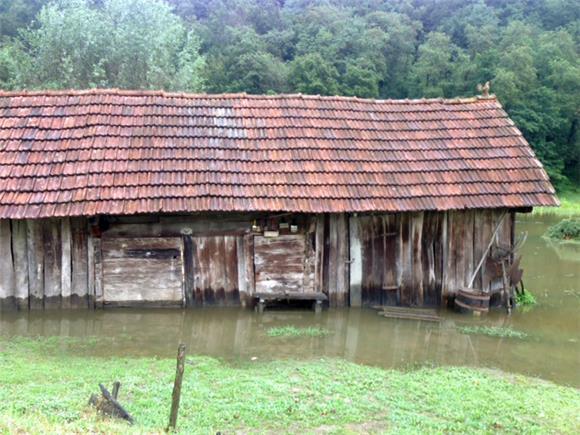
(177, 387)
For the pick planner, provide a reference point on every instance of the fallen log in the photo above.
(107, 404)
(409, 313)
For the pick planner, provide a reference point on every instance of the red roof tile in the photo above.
(66, 153)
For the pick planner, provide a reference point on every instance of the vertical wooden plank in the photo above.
(91, 301)
(390, 245)
(406, 288)
(375, 258)
(417, 221)
(452, 222)
(355, 262)
(217, 267)
(332, 259)
(478, 245)
(7, 291)
(232, 294)
(512, 231)
(80, 263)
(52, 263)
(319, 254)
(399, 256)
(362, 233)
(249, 274)
(66, 262)
(438, 257)
(310, 255)
(342, 279)
(197, 284)
(486, 234)
(188, 264)
(468, 244)
(445, 258)
(242, 270)
(427, 256)
(204, 273)
(459, 230)
(384, 264)
(35, 253)
(20, 264)
(98, 272)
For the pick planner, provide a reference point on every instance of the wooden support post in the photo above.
(20, 263)
(35, 252)
(356, 265)
(66, 263)
(177, 387)
(7, 299)
(317, 307)
(261, 306)
(189, 272)
(98, 270)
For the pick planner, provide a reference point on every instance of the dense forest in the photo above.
(528, 49)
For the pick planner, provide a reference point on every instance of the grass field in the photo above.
(569, 205)
(45, 386)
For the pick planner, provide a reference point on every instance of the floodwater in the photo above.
(551, 350)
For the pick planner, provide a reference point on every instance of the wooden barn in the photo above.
(121, 198)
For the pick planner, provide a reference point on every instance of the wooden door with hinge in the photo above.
(280, 264)
(143, 271)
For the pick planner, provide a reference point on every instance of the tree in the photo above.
(136, 44)
(312, 74)
(436, 68)
(245, 65)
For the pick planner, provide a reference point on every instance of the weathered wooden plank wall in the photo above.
(421, 258)
(217, 253)
(20, 257)
(279, 263)
(40, 263)
(141, 271)
(338, 260)
(80, 263)
(417, 258)
(52, 247)
(215, 270)
(7, 280)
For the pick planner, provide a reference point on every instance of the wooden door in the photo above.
(279, 263)
(146, 271)
(214, 265)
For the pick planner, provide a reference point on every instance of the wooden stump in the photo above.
(107, 403)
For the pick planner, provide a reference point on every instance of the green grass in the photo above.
(292, 331)
(493, 331)
(45, 390)
(569, 205)
(525, 299)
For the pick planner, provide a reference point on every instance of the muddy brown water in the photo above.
(551, 350)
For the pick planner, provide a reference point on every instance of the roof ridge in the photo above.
(240, 95)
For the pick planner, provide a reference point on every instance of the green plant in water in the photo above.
(492, 331)
(567, 229)
(525, 298)
(292, 331)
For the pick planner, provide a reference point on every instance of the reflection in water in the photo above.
(551, 352)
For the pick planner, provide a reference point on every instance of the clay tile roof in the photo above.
(67, 153)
